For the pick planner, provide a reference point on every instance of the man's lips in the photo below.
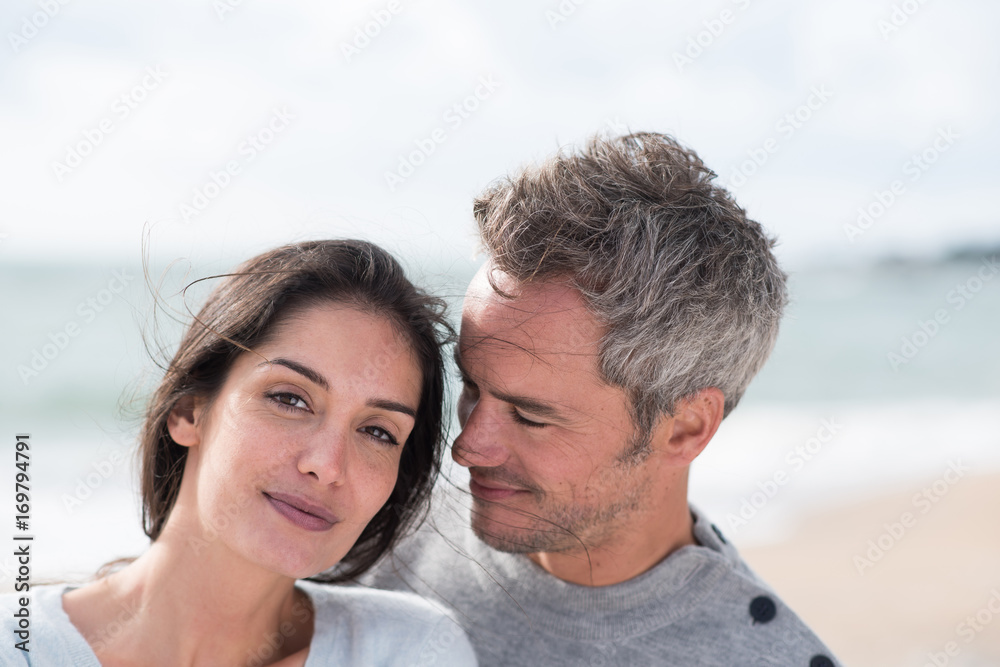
(489, 490)
(301, 512)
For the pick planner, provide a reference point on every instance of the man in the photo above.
(626, 304)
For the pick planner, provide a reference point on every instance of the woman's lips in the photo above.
(484, 491)
(301, 512)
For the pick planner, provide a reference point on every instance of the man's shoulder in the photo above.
(730, 615)
(740, 616)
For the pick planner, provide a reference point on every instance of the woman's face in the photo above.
(301, 446)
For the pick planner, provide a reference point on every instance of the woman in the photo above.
(298, 427)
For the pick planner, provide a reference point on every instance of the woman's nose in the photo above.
(324, 457)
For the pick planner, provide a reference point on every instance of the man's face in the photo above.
(542, 434)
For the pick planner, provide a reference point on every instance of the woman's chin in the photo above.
(298, 565)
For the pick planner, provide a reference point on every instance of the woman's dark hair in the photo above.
(241, 313)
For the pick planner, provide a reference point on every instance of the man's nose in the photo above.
(480, 444)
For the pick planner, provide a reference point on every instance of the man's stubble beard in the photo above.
(552, 527)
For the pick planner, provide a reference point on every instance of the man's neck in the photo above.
(629, 552)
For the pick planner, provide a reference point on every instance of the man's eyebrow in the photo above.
(316, 378)
(301, 369)
(532, 405)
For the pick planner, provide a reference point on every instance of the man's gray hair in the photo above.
(685, 284)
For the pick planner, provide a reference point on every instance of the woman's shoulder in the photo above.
(42, 632)
(363, 600)
(379, 627)
(39, 593)
(40, 603)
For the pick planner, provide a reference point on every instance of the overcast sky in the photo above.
(120, 116)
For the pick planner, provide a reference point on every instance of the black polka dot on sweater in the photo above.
(763, 610)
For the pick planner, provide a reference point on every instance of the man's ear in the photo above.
(183, 423)
(695, 420)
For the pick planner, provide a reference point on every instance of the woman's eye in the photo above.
(381, 434)
(289, 400)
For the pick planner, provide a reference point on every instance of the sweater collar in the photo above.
(668, 591)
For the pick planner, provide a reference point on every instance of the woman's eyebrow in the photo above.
(316, 378)
(394, 406)
(301, 369)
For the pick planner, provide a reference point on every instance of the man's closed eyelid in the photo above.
(521, 419)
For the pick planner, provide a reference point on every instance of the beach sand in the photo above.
(907, 605)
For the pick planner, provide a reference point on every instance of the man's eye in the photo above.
(521, 419)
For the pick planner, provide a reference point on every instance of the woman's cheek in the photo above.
(380, 479)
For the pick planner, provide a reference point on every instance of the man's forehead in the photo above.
(543, 317)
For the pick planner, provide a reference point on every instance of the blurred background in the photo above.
(145, 146)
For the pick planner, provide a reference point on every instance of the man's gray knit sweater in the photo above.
(702, 605)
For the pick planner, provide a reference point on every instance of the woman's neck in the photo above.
(190, 602)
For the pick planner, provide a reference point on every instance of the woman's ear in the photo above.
(182, 423)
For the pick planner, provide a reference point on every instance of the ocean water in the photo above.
(883, 377)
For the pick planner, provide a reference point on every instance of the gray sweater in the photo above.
(702, 605)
